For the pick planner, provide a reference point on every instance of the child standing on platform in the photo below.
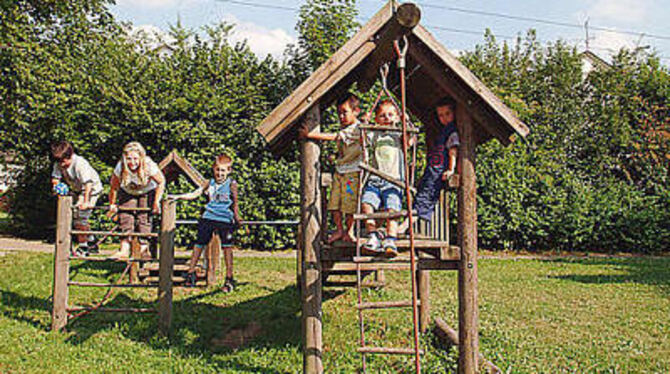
(139, 183)
(85, 183)
(221, 215)
(344, 188)
(380, 194)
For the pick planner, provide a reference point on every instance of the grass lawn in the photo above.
(590, 315)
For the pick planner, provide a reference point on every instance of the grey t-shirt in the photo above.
(134, 186)
(78, 174)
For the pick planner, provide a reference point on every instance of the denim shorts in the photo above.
(382, 194)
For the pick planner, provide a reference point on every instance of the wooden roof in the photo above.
(432, 73)
(174, 165)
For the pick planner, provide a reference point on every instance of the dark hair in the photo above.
(350, 98)
(61, 150)
(446, 101)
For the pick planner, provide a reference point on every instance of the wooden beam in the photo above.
(423, 282)
(467, 238)
(450, 336)
(61, 263)
(507, 115)
(341, 62)
(310, 214)
(166, 265)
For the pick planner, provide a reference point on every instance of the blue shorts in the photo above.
(206, 228)
(382, 194)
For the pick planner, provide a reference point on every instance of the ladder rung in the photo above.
(112, 259)
(381, 215)
(106, 285)
(77, 308)
(387, 304)
(385, 176)
(387, 128)
(390, 351)
(372, 259)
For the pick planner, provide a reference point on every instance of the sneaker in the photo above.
(190, 279)
(372, 246)
(390, 249)
(79, 252)
(229, 285)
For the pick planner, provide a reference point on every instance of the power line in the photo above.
(256, 5)
(544, 21)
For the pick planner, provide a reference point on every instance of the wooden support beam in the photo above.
(385, 176)
(423, 282)
(133, 274)
(310, 214)
(450, 336)
(166, 265)
(61, 263)
(213, 257)
(467, 239)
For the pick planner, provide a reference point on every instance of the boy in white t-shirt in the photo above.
(85, 184)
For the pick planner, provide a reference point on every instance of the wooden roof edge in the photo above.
(268, 127)
(191, 172)
(473, 82)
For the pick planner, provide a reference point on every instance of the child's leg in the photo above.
(349, 204)
(228, 259)
(126, 223)
(350, 228)
(339, 231)
(334, 206)
(205, 231)
(195, 256)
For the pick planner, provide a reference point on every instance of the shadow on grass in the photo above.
(201, 322)
(654, 271)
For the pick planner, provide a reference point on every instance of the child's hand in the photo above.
(85, 205)
(366, 117)
(303, 132)
(173, 197)
(447, 174)
(113, 209)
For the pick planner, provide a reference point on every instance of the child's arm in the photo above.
(188, 196)
(304, 133)
(236, 209)
(114, 184)
(160, 189)
(451, 168)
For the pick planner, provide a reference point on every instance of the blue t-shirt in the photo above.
(219, 207)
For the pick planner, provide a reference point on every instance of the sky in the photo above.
(269, 25)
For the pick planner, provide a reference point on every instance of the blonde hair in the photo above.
(142, 172)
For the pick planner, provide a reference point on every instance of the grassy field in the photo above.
(585, 316)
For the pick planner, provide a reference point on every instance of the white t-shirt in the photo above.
(134, 187)
(350, 153)
(78, 174)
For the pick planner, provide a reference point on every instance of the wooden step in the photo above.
(400, 243)
(386, 304)
(386, 264)
(380, 215)
(389, 350)
(371, 284)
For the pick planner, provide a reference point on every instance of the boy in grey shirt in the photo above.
(85, 185)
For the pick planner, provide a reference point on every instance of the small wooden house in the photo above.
(433, 73)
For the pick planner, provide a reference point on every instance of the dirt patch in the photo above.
(236, 338)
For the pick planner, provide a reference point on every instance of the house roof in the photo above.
(174, 165)
(432, 73)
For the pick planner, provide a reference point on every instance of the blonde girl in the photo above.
(138, 183)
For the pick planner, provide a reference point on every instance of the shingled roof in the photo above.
(432, 73)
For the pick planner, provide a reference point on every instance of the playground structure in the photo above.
(433, 73)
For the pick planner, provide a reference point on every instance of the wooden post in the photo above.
(423, 281)
(213, 257)
(311, 214)
(467, 238)
(166, 265)
(298, 257)
(61, 263)
(135, 266)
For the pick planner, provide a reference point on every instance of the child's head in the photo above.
(62, 152)
(133, 162)
(348, 109)
(445, 110)
(222, 166)
(386, 113)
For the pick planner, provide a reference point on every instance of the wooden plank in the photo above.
(400, 243)
(107, 285)
(167, 234)
(467, 237)
(387, 129)
(61, 263)
(508, 116)
(322, 88)
(341, 62)
(388, 350)
(78, 308)
(423, 282)
(114, 233)
(385, 304)
(310, 214)
(385, 176)
(133, 274)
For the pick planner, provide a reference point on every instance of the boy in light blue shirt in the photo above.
(221, 215)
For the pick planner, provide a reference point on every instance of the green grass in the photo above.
(591, 315)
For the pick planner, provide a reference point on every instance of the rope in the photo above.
(104, 298)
